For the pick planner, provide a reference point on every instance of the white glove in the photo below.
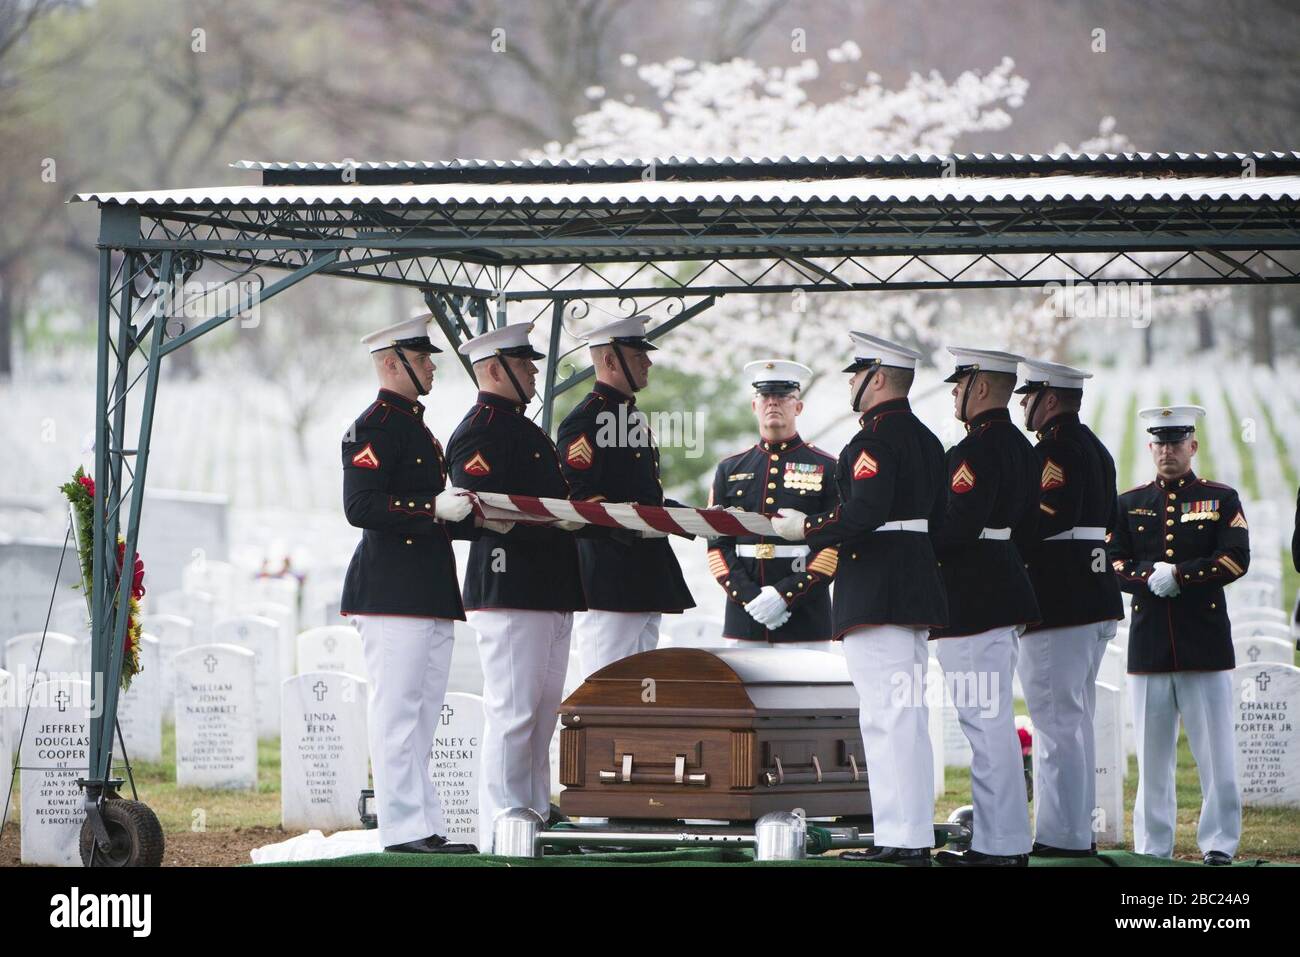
(452, 504)
(653, 533)
(773, 626)
(568, 526)
(1162, 581)
(767, 607)
(788, 523)
(497, 525)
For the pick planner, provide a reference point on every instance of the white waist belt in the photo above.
(906, 525)
(772, 551)
(1001, 534)
(1088, 533)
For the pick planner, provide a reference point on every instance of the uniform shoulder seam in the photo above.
(1137, 488)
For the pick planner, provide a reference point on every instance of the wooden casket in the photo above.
(720, 734)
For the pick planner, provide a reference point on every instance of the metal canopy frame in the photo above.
(470, 260)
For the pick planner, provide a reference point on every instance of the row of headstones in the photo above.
(329, 648)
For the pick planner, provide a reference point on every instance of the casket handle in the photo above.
(626, 774)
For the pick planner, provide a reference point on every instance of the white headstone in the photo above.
(1245, 616)
(1266, 700)
(176, 528)
(454, 763)
(262, 637)
(219, 579)
(198, 607)
(937, 700)
(1261, 650)
(174, 635)
(282, 590)
(1114, 672)
(59, 654)
(71, 618)
(323, 750)
(139, 708)
(1254, 594)
(27, 580)
(1107, 724)
(7, 700)
(332, 648)
(55, 753)
(216, 718)
(287, 618)
(1263, 629)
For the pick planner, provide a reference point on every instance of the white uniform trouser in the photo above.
(978, 669)
(1058, 671)
(605, 637)
(408, 660)
(888, 666)
(524, 656)
(833, 647)
(1204, 699)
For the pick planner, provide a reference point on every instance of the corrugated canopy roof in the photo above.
(829, 191)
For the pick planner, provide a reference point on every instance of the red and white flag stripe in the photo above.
(704, 522)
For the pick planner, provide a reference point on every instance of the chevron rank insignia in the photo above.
(579, 453)
(366, 458)
(865, 467)
(1053, 476)
(1239, 521)
(963, 480)
(477, 465)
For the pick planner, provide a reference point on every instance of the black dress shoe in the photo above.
(974, 858)
(906, 856)
(1047, 850)
(1217, 858)
(433, 844)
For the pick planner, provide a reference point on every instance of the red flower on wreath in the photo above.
(88, 484)
(1026, 741)
(137, 578)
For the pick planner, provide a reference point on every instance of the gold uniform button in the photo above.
(771, 485)
(790, 594)
(1142, 528)
(428, 504)
(1136, 606)
(854, 556)
(1172, 496)
(771, 471)
(733, 594)
(1169, 537)
(776, 458)
(770, 500)
(1213, 605)
(410, 505)
(409, 542)
(1169, 508)
(418, 460)
(537, 455)
(637, 456)
(1169, 553)
(1169, 521)
(1200, 528)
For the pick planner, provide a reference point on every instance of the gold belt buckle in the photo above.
(765, 551)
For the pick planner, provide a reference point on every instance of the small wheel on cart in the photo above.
(135, 837)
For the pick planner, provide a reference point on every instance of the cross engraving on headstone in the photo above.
(320, 688)
(210, 663)
(62, 699)
(1253, 654)
(331, 643)
(1261, 680)
(447, 712)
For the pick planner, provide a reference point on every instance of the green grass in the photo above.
(1249, 480)
(1125, 467)
(1205, 450)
